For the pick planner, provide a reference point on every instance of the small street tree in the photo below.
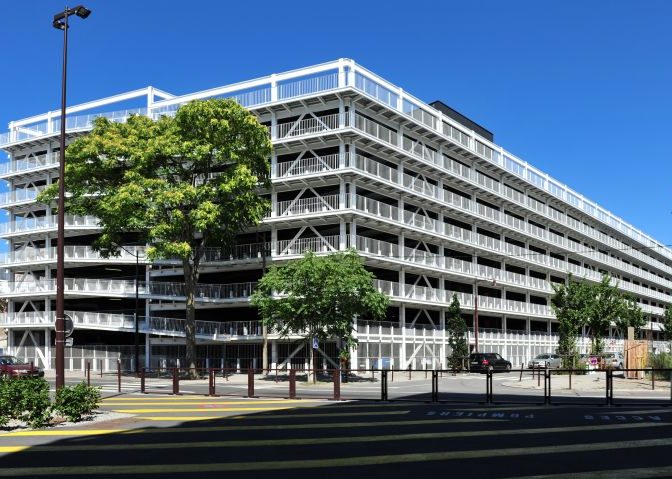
(631, 315)
(318, 297)
(570, 304)
(456, 329)
(180, 184)
(606, 307)
(667, 324)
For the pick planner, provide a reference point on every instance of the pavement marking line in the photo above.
(191, 409)
(645, 472)
(314, 440)
(8, 449)
(63, 432)
(340, 425)
(202, 398)
(287, 416)
(324, 463)
(192, 402)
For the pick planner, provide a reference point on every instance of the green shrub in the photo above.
(661, 361)
(73, 402)
(25, 400)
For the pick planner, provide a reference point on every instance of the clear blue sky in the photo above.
(580, 89)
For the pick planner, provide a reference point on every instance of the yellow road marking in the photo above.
(202, 400)
(63, 432)
(8, 449)
(204, 409)
(328, 463)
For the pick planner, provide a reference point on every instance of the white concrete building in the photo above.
(424, 194)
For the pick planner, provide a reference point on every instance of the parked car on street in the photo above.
(482, 362)
(11, 366)
(547, 360)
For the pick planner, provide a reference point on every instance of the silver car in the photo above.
(546, 360)
(613, 360)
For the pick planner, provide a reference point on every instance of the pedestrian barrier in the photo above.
(537, 386)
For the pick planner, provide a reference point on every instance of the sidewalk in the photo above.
(590, 382)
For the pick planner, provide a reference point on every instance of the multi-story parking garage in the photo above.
(426, 197)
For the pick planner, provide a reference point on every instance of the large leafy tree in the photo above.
(571, 305)
(180, 183)
(456, 329)
(318, 297)
(631, 315)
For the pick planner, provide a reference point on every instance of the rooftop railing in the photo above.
(346, 73)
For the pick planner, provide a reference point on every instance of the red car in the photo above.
(10, 366)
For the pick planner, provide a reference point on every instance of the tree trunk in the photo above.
(190, 280)
(312, 359)
(264, 351)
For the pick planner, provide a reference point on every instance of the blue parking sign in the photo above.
(315, 343)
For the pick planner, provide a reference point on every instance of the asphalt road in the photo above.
(190, 436)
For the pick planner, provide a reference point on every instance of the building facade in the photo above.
(430, 202)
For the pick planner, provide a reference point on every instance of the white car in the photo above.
(547, 360)
(613, 360)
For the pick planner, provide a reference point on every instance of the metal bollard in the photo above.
(250, 383)
(88, 373)
(176, 382)
(522, 365)
(538, 376)
(653, 380)
(292, 384)
(142, 381)
(435, 386)
(383, 385)
(570, 378)
(118, 375)
(211, 382)
(409, 372)
(100, 368)
(337, 384)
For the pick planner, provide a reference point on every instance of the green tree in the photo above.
(606, 307)
(318, 297)
(571, 304)
(180, 183)
(456, 329)
(667, 324)
(631, 315)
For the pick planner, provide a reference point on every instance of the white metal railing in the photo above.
(114, 287)
(346, 73)
(308, 166)
(19, 195)
(322, 244)
(315, 204)
(30, 255)
(29, 163)
(31, 225)
(309, 126)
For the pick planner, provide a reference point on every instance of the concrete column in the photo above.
(274, 354)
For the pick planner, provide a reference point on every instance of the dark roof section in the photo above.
(460, 118)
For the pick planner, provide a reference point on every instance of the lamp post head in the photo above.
(61, 18)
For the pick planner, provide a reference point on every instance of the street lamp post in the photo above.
(137, 303)
(61, 23)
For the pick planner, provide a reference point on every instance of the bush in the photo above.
(661, 361)
(74, 402)
(25, 400)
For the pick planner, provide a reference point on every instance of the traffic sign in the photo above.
(68, 325)
(315, 343)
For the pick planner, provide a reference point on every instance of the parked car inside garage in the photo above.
(547, 360)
